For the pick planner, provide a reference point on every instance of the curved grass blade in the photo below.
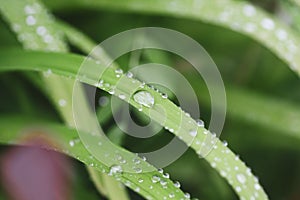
(169, 115)
(238, 16)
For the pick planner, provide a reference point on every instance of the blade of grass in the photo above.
(166, 114)
(239, 16)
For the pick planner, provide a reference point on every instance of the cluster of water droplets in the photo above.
(33, 33)
(267, 30)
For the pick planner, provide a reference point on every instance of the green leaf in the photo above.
(239, 16)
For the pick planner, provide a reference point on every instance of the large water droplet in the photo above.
(193, 133)
(177, 184)
(241, 178)
(144, 98)
(155, 179)
(187, 195)
(115, 169)
(200, 123)
(171, 195)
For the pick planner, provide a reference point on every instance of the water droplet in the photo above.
(111, 90)
(257, 186)
(143, 158)
(48, 38)
(200, 123)
(241, 178)
(144, 98)
(166, 175)
(71, 143)
(160, 170)
(47, 73)
(187, 195)
(206, 132)
(163, 182)
(29, 10)
(193, 133)
(138, 170)
(281, 35)
(129, 74)
(136, 161)
(267, 24)
(137, 189)
(41, 30)
(164, 96)
(249, 10)
(155, 179)
(122, 96)
(119, 71)
(123, 161)
(171, 195)
(115, 169)
(177, 184)
(225, 143)
(62, 102)
(140, 180)
(238, 189)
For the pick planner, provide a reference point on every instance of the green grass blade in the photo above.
(221, 157)
(238, 16)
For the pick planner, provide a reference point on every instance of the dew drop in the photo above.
(249, 10)
(62, 102)
(136, 161)
(171, 195)
(138, 170)
(119, 71)
(122, 96)
(111, 90)
(115, 169)
(166, 175)
(281, 35)
(193, 133)
(200, 123)
(164, 96)
(225, 143)
(238, 189)
(140, 180)
(47, 73)
(160, 170)
(187, 195)
(48, 38)
(29, 10)
(41, 30)
(30, 20)
(163, 182)
(268, 24)
(144, 98)
(177, 184)
(71, 143)
(143, 158)
(241, 178)
(129, 74)
(155, 179)
(257, 186)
